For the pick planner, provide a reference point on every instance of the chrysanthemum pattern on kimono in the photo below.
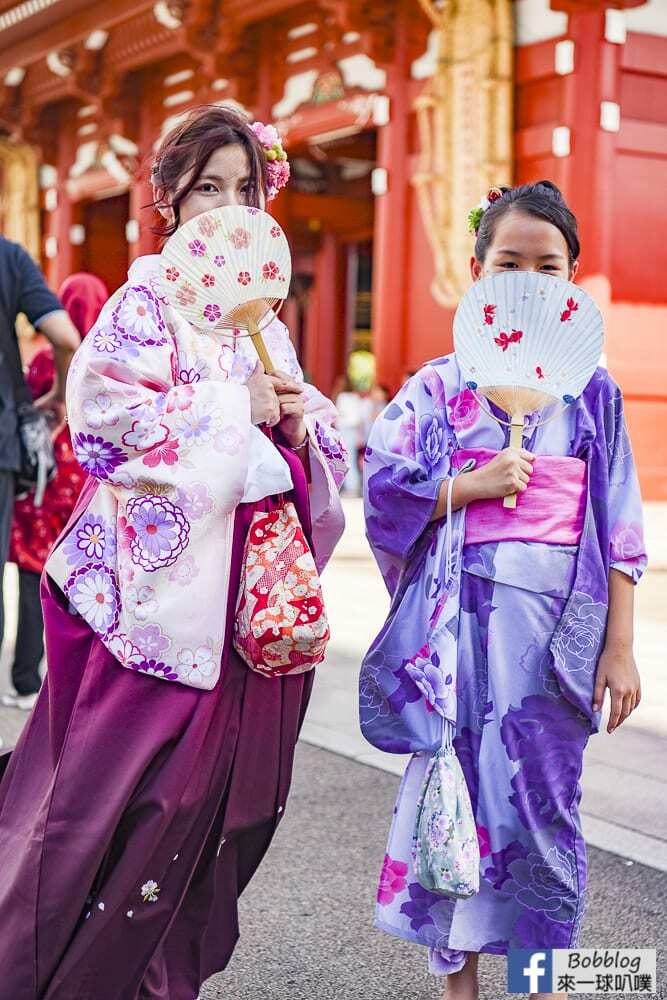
(160, 418)
(505, 647)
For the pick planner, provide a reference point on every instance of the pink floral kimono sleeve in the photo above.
(171, 463)
(132, 425)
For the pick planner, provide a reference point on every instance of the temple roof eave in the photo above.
(33, 38)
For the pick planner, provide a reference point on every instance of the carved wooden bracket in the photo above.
(237, 61)
(379, 24)
(375, 20)
(10, 109)
(204, 28)
(86, 79)
(40, 127)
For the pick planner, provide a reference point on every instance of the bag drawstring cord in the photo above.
(447, 726)
(447, 743)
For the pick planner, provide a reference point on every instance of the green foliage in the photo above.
(474, 218)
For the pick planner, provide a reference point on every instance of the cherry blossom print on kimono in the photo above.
(505, 646)
(160, 418)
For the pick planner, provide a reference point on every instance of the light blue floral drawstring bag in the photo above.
(445, 849)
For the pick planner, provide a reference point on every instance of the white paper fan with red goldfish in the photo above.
(526, 340)
(228, 269)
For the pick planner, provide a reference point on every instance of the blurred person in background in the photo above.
(350, 408)
(24, 290)
(374, 403)
(35, 529)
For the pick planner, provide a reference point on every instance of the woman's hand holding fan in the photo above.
(525, 341)
(292, 409)
(264, 404)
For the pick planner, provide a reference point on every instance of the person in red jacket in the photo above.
(35, 529)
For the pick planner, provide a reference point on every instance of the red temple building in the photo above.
(90, 85)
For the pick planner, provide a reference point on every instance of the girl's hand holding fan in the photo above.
(507, 473)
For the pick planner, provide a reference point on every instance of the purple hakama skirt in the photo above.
(133, 813)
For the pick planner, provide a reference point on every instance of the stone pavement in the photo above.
(624, 781)
(306, 918)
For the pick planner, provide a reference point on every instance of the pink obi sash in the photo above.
(551, 509)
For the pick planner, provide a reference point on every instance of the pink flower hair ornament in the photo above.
(475, 214)
(277, 165)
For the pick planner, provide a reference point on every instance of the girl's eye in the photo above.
(207, 188)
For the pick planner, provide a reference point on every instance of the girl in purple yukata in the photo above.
(510, 624)
(154, 770)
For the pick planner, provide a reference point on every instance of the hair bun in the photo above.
(553, 191)
(541, 199)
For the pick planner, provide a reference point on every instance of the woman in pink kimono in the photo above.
(155, 767)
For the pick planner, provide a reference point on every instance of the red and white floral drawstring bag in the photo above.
(281, 625)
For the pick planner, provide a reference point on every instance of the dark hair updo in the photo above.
(542, 200)
(187, 148)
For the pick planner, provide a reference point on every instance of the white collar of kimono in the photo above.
(144, 268)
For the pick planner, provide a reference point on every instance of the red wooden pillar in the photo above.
(289, 315)
(58, 230)
(589, 168)
(326, 316)
(141, 190)
(592, 108)
(390, 239)
(596, 81)
(142, 213)
(265, 93)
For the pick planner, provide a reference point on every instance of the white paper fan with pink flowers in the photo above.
(228, 269)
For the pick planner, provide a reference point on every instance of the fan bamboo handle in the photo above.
(516, 441)
(260, 347)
